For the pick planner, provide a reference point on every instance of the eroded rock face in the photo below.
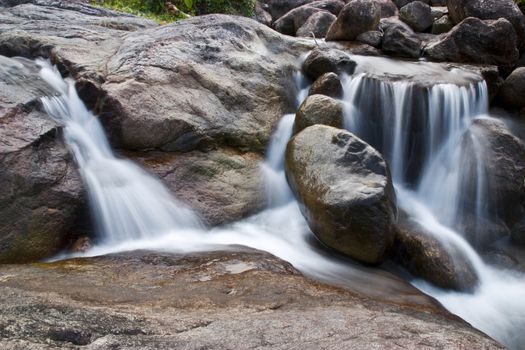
(222, 185)
(202, 300)
(319, 109)
(490, 10)
(426, 257)
(201, 87)
(512, 92)
(326, 60)
(358, 16)
(345, 191)
(477, 41)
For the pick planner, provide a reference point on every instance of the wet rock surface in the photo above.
(40, 189)
(345, 191)
(426, 257)
(504, 161)
(223, 299)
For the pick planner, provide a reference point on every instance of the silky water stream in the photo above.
(132, 210)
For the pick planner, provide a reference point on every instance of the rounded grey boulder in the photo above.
(316, 25)
(327, 84)
(345, 191)
(417, 15)
(321, 61)
(319, 109)
(358, 16)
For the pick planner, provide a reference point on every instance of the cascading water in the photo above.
(135, 211)
(127, 203)
(422, 132)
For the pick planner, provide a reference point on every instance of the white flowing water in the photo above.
(422, 132)
(126, 202)
(135, 211)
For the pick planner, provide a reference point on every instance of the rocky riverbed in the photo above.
(238, 299)
(196, 103)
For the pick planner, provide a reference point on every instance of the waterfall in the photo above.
(133, 210)
(126, 202)
(437, 165)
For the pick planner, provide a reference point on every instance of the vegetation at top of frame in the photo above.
(521, 4)
(171, 10)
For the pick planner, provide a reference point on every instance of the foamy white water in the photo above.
(135, 211)
(126, 202)
(431, 171)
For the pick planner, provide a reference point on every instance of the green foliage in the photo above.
(521, 4)
(157, 9)
(152, 9)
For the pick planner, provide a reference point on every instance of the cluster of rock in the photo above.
(345, 189)
(195, 102)
(487, 32)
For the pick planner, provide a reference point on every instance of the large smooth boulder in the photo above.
(424, 256)
(200, 83)
(512, 92)
(358, 16)
(477, 41)
(316, 25)
(399, 39)
(417, 15)
(319, 109)
(326, 60)
(290, 23)
(491, 10)
(345, 191)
